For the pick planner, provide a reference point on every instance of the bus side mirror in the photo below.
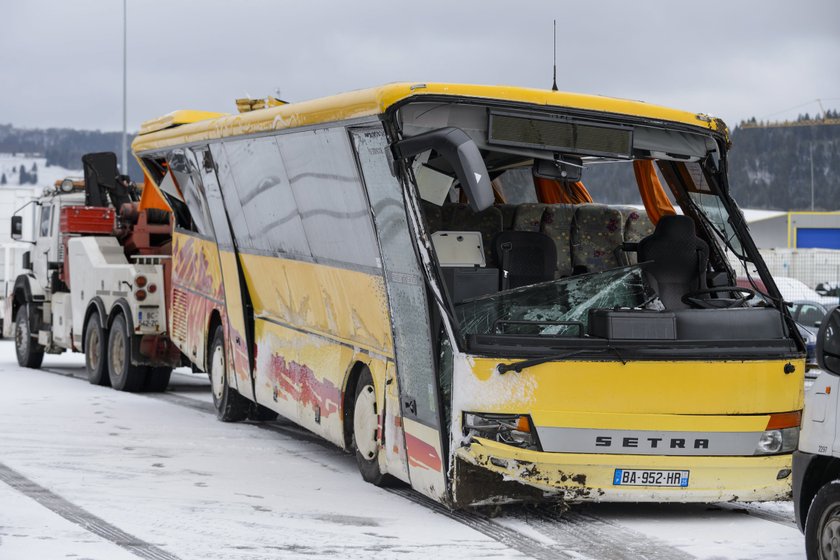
(462, 154)
(828, 343)
(17, 227)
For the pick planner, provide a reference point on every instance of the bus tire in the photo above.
(29, 353)
(96, 357)
(230, 405)
(365, 428)
(123, 375)
(822, 527)
(157, 379)
(260, 413)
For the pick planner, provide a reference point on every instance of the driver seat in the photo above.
(676, 260)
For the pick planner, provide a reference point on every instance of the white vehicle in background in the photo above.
(796, 290)
(816, 466)
(94, 281)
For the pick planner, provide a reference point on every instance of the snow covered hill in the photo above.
(33, 164)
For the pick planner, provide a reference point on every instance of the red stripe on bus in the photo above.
(421, 454)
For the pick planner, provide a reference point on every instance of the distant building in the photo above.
(794, 230)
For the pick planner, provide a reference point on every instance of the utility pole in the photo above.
(811, 144)
(124, 160)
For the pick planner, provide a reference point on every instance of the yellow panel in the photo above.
(343, 305)
(303, 376)
(176, 118)
(720, 388)
(375, 101)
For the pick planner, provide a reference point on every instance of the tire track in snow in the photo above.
(755, 511)
(82, 517)
(590, 536)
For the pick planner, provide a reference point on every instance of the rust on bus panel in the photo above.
(298, 382)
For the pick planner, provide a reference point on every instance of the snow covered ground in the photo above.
(88, 472)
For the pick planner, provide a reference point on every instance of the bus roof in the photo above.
(194, 126)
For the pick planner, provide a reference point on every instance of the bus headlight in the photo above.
(777, 441)
(510, 429)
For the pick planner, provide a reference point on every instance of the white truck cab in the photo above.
(816, 466)
(95, 281)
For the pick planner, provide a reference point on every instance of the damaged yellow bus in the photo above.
(431, 276)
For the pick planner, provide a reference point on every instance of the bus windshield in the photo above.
(556, 308)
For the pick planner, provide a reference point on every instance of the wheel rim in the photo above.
(22, 335)
(118, 353)
(830, 535)
(93, 353)
(217, 371)
(365, 422)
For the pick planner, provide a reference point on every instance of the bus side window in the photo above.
(263, 213)
(325, 183)
(185, 172)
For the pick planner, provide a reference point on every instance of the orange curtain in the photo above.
(654, 198)
(151, 197)
(552, 191)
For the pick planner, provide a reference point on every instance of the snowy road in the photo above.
(88, 472)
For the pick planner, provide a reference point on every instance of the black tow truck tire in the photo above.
(96, 354)
(822, 526)
(123, 374)
(29, 353)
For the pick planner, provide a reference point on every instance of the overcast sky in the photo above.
(61, 61)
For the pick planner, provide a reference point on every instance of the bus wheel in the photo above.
(822, 527)
(29, 353)
(95, 357)
(158, 379)
(365, 427)
(230, 405)
(124, 376)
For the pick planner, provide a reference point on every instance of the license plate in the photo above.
(637, 477)
(149, 318)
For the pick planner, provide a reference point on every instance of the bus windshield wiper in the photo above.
(520, 365)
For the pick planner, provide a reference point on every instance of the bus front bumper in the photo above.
(584, 477)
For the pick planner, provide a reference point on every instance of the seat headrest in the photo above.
(676, 226)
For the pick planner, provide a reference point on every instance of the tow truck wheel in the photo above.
(822, 527)
(95, 357)
(157, 379)
(29, 353)
(124, 376)
(365, 428)
(230, 405)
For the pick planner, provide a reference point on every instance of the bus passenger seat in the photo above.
(508, 215)
(677, 260)
(529, 217)
(525, 257)
(637, 226)
(597, 236)
(557, 224)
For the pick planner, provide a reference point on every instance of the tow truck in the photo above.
(95, 280)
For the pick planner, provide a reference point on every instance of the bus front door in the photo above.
(239, 323)
(420, 398)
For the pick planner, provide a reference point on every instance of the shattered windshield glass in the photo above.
(556, 308)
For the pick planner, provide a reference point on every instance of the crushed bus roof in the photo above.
(193, 126)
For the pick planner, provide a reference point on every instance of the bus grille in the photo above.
(179, 315)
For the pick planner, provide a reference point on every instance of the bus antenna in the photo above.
(554, 82)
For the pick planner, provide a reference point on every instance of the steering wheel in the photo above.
(694, 299)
